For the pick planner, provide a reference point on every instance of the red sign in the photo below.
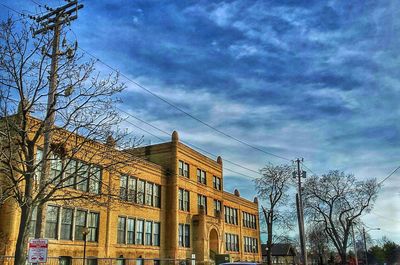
(37, 251)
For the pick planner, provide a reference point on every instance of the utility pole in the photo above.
(52, 21)
(354, 244)
(365, 247)
(300, 214)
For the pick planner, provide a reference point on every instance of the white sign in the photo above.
(37, 252)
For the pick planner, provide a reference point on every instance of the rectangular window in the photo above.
(249, 220)
(156, 234)
(231, 215)
(184, 200)
(139, 232)
(149, 193)
(202, 202)
(132, 189)
(95, 179)
(149, 233)
(217, 183)
(184, 235)
(183, 169)
(201, 176)
(55, 168)
(217, 208)
(38, 164)
(140, 191)
(32, 224)
(70, 173)
(52, 221)
(231, 242)
(122, 187)
(121, 230)
(93, 227)
(80, 224)
(66, 224)
(157, 196)
(82, 177)
(131, 231)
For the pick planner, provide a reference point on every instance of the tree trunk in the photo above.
(343, 258)
(269, 243)
(23, 235)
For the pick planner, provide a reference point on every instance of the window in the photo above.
(231, 242)
(157, 196)
(217, 208)
(131, 231)
(140, 192)
(38, 163)
(156, 234)
(184, 200)
(93, 226)
(139, 232)
(70, 173)
(32, 228)
(249, 220)
(202, 202)
(149, 193)
(95, 179)
(250, 245)
(132, 189)
(51, 221)
(217, 183)
(121, 230)
(66, 223)
(201, 176)
(149, 233)
(91, 261)
(122, 187)
(184, 235)
(183, 169)
(55, 168)
(231, 215)
(82, 176)
(80, 224)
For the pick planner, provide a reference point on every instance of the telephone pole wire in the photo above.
(52, 21)
(300, 213)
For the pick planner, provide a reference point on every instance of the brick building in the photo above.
(172, 205)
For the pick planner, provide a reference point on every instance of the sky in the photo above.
(306, 78)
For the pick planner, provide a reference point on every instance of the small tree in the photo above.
(318, 243)
(335, 201)
(272, 188)
(85, 115)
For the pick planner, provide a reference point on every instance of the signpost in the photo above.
(37, 251)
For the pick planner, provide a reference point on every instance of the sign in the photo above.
(37, 250)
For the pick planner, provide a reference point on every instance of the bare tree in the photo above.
(335, 201)
(318, 244)
(272, 188)
(85, 115)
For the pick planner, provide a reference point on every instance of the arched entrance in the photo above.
(213, 242)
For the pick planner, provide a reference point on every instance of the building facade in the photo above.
(171, 205)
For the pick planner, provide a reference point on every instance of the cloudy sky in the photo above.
(313, 79)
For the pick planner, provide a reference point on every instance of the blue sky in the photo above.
(312, 79)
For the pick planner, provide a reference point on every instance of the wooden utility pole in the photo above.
(300, 213)
(52, 21)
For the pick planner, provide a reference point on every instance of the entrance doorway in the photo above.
(213, 241)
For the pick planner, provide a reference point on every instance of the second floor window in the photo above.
(202, 202)
(231, 215)
(139, 191)
(201, 176)
(217, 207)
(184, 203)
(183, 169)
(217, 183)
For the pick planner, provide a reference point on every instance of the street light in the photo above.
(85, 232)
(365, 242)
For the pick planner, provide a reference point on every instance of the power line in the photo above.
(183, 111)
(388, 176)
(189, 144)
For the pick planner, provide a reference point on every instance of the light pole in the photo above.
(365, 243)
(85, 232)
